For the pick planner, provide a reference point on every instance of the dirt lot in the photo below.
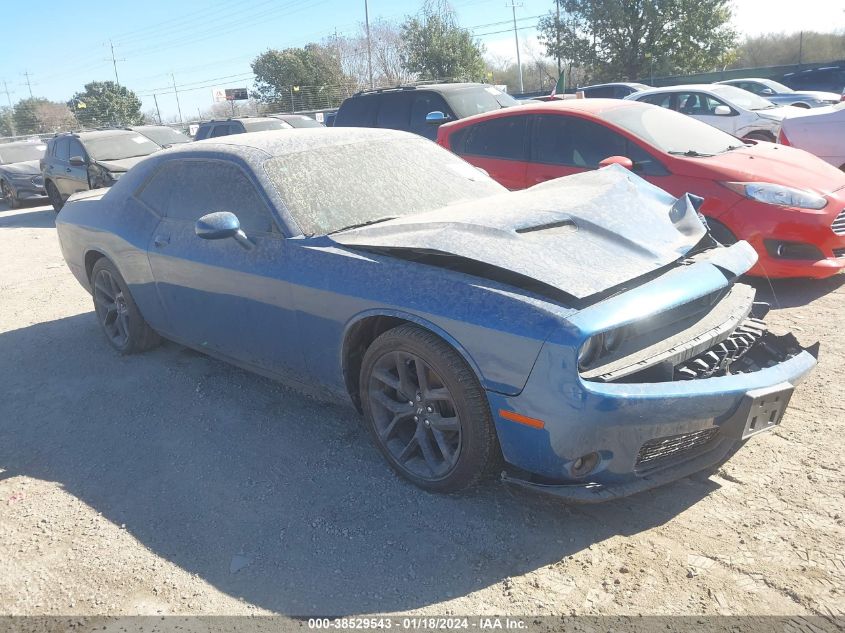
(170, 483)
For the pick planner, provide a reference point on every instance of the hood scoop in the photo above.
(579, 235)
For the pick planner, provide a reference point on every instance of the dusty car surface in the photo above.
(163, 135)
(587, 332)
(20, 173)
(820, 132)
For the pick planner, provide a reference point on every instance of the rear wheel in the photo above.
(117, 312)
(54, 196)
(8, 195)
(426, 411)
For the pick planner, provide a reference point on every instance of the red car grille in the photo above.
(838, 225)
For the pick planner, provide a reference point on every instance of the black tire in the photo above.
(118, 315)
(449, 412)
(761, 136)
(721, 233)
(54, 196)
(11, 200)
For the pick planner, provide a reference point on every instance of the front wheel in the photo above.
(54, 196)
(426, 411)
(9, 195)
(117, 313)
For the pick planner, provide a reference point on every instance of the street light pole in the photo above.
(369, 45)
(513, 5)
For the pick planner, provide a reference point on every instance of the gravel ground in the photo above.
(171, 483)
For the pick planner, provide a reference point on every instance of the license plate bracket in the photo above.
(761, 410)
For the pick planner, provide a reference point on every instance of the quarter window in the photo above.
(502, 138)
(188, 189)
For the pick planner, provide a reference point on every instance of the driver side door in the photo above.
(217, 294)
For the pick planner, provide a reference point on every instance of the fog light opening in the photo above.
(585, 464)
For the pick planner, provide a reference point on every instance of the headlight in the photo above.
(778, 195)
(590, 350)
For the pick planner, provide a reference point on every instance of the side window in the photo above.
(188, 189)
(75, 148)
(221, 130)
(457, 140)
(663, 100)
(502, 138)
(709, 103)
(425, 102)
(394, 111)
(604, 92)
(202, 132)
(563, 140)
(61, 150)
(358, 111)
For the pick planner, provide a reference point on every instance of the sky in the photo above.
(209, 43)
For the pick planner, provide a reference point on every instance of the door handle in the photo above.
(161, 240)
(68, 169)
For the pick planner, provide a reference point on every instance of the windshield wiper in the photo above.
(691, 153)
(360, 224)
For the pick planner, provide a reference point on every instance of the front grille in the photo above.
(839, 252)
(715, 360)
(657, 451)
(838, 225)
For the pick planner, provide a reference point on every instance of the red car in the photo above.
(787, 203)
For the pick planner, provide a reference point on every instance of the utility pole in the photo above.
(28, 83)
(800, 47)
(557, 32)
(114, 63)
(513, 5)
(176, 92)
(158, 112)
(369, 45)
(9, 99)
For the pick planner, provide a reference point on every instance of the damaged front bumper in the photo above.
(646, 435)
(682, 399)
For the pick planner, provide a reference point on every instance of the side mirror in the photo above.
(767, 91)
(722, 110)
(436, 118)
(623, 161)
(221, 225)
(77, 161)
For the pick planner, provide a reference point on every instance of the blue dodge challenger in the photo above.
(585, 337)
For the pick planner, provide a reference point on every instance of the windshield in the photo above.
(329, 188)
(164, 135)
(478, 99)
(777, 87)
(263, 126)
(119, 146)
(20, 152)
(670, 131)
(742, 98)
(301, 121)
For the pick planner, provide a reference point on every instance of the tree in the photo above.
(42, 116)
(299, 78)
(7, 124)
(635, 39)
(386, 47)
(780, 49)
(435, 47)
(104, 103)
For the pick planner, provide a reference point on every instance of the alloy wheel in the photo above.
(112, 309)
(414, 415)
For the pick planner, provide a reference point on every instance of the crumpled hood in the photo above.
(25, 168)
(120, 165)
(582, 234)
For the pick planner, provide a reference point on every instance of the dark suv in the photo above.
(78, 161)
(419, 109)
(224, 127)
(826, 79)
